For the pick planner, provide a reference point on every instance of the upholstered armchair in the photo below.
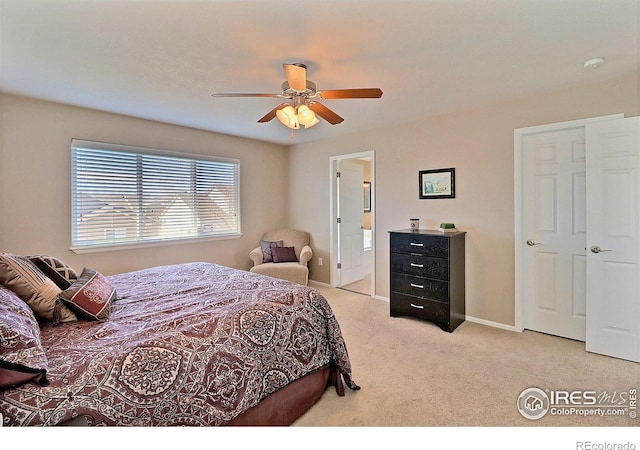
(284, 254)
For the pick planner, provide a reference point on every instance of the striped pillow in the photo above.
(55, 264)
(33, 287)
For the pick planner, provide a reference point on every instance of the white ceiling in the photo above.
(162, 59)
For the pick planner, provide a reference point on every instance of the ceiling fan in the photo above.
(302, 107)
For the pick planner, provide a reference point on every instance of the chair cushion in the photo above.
(291, 271)
(284, 254)
(266, 247)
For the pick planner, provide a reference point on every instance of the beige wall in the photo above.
(35, 182)
(478, 143)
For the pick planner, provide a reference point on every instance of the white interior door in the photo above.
(554, 232)
(351, 215)
(613, 238)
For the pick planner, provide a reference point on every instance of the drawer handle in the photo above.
(417, 265)
(416, 244)
(417, 306)
(417, 286)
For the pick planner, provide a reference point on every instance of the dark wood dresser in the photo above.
(427, 276)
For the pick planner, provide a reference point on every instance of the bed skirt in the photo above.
(285, 406)
(281, 408)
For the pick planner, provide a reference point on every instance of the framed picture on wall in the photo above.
(437, 183)
(367, 196)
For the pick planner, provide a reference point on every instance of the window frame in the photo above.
(140, 242)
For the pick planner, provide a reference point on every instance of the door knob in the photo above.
(530, 243)
(597, 249)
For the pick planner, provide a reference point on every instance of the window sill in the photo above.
(139, 245)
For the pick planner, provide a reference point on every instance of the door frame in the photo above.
(333, 215)
(519, 243)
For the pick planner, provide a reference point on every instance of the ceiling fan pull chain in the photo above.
(292, 135)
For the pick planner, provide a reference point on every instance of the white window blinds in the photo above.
(131, 195)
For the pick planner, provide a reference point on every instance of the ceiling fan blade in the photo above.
(241, 94)
(325, 113)
(351, 93)
(296, 76)
(271, 114)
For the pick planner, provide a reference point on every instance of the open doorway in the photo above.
(353, 222)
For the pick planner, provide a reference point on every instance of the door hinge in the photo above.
(339, 265)
(338, 220)
(337, 174)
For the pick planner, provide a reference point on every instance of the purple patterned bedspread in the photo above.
(188, 344)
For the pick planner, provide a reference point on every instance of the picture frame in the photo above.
(437, 183)
(367, 196)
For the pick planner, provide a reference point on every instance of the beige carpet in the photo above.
(361, 286)
(414, 374)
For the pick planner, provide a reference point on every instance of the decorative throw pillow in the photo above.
(284, 254)
(55, 264)
(51, 273)
(267, 247)
(22, 357)
(34, 287)
(90, 296)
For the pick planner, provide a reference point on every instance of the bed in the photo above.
(195, 344)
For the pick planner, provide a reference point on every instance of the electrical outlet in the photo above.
(320, 261)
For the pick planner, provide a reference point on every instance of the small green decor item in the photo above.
(447, 227)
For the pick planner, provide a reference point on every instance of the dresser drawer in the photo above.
(420, 287)
(418, 244)
(420, 308)
(420, 266)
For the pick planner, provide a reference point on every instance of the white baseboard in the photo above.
(490, 323)
(318, 283)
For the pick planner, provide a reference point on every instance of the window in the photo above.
(125, 196)
(368, 239)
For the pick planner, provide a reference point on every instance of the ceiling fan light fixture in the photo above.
(301, 107)
(306, 116)
(313, 122)
(288, 117)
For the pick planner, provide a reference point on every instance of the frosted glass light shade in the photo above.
(313, 122)
(306, 116)
(288, 117)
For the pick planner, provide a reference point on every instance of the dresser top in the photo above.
(428, 232)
